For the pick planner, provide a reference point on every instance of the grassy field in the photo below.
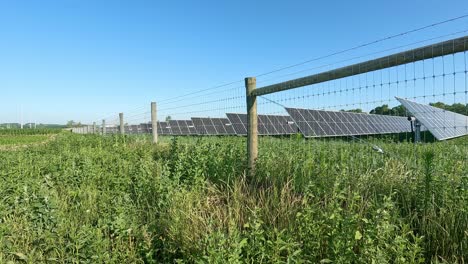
(28, 131)
(8, 140)
(88, 199)
(14, 138)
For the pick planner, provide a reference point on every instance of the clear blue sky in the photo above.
(83, 59)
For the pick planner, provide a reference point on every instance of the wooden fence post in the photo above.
(122, 126)
(252, 126)
(154, 122)
(103, 127)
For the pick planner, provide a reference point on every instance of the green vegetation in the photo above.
(385, 110)
(457, 107)
(30, 125)
(39, 131)
(400, 110)
(88, 199)
(357, 110)
(24, 137)
(21, 139)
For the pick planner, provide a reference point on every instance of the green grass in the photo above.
(28, 131)
(89, 199)
(8, 140)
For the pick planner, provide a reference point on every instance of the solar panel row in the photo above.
(267, 124)
(213, 126)
(163, 128)
(441, 123)
(182, 127)
(320, 123)
(311, 123)
(315, 123)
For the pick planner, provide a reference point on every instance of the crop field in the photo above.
(92, 199)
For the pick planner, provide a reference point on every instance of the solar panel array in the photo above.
(213, 126)
(320, 123)
(267, 124)
(131, 129)
(314, 123)
(441, 123)
(163, 128)
(112, 130)
(182, 127)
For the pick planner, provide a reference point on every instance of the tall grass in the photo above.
(90, 199)
(30, 131)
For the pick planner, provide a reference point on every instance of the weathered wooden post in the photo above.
(103, 127)
(252, 126)
(94, 127)
(122, 127)
(154, 122)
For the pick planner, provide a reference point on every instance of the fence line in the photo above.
(246, 102)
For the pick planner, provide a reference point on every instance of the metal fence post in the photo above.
(122, 127)
(417, 131)
(154, 122)
(252, 125)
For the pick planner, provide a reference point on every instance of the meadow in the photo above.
(93, 199)
(14, 138)
(29, 131)
(21, 139)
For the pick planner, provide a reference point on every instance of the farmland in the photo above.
(93, 199)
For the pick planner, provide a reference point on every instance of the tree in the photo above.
(357, 110)
(399, 111)
(439, 105)
(168, 118)
(72, 123)
(459, 108)
(385, 110)
(381, 110)
(456, 107)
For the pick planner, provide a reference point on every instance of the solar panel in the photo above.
(145, 128)
(441, 123)
(133, 129)
(213, 126)
(163, 128)
(182, 127)
(321, 123)
(223, 126)
(111, 130)
(268, 125)
(239, 123)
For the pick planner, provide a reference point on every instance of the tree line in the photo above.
(400, 110)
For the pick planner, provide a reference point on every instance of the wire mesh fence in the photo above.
(435, 76)
(396, 94)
